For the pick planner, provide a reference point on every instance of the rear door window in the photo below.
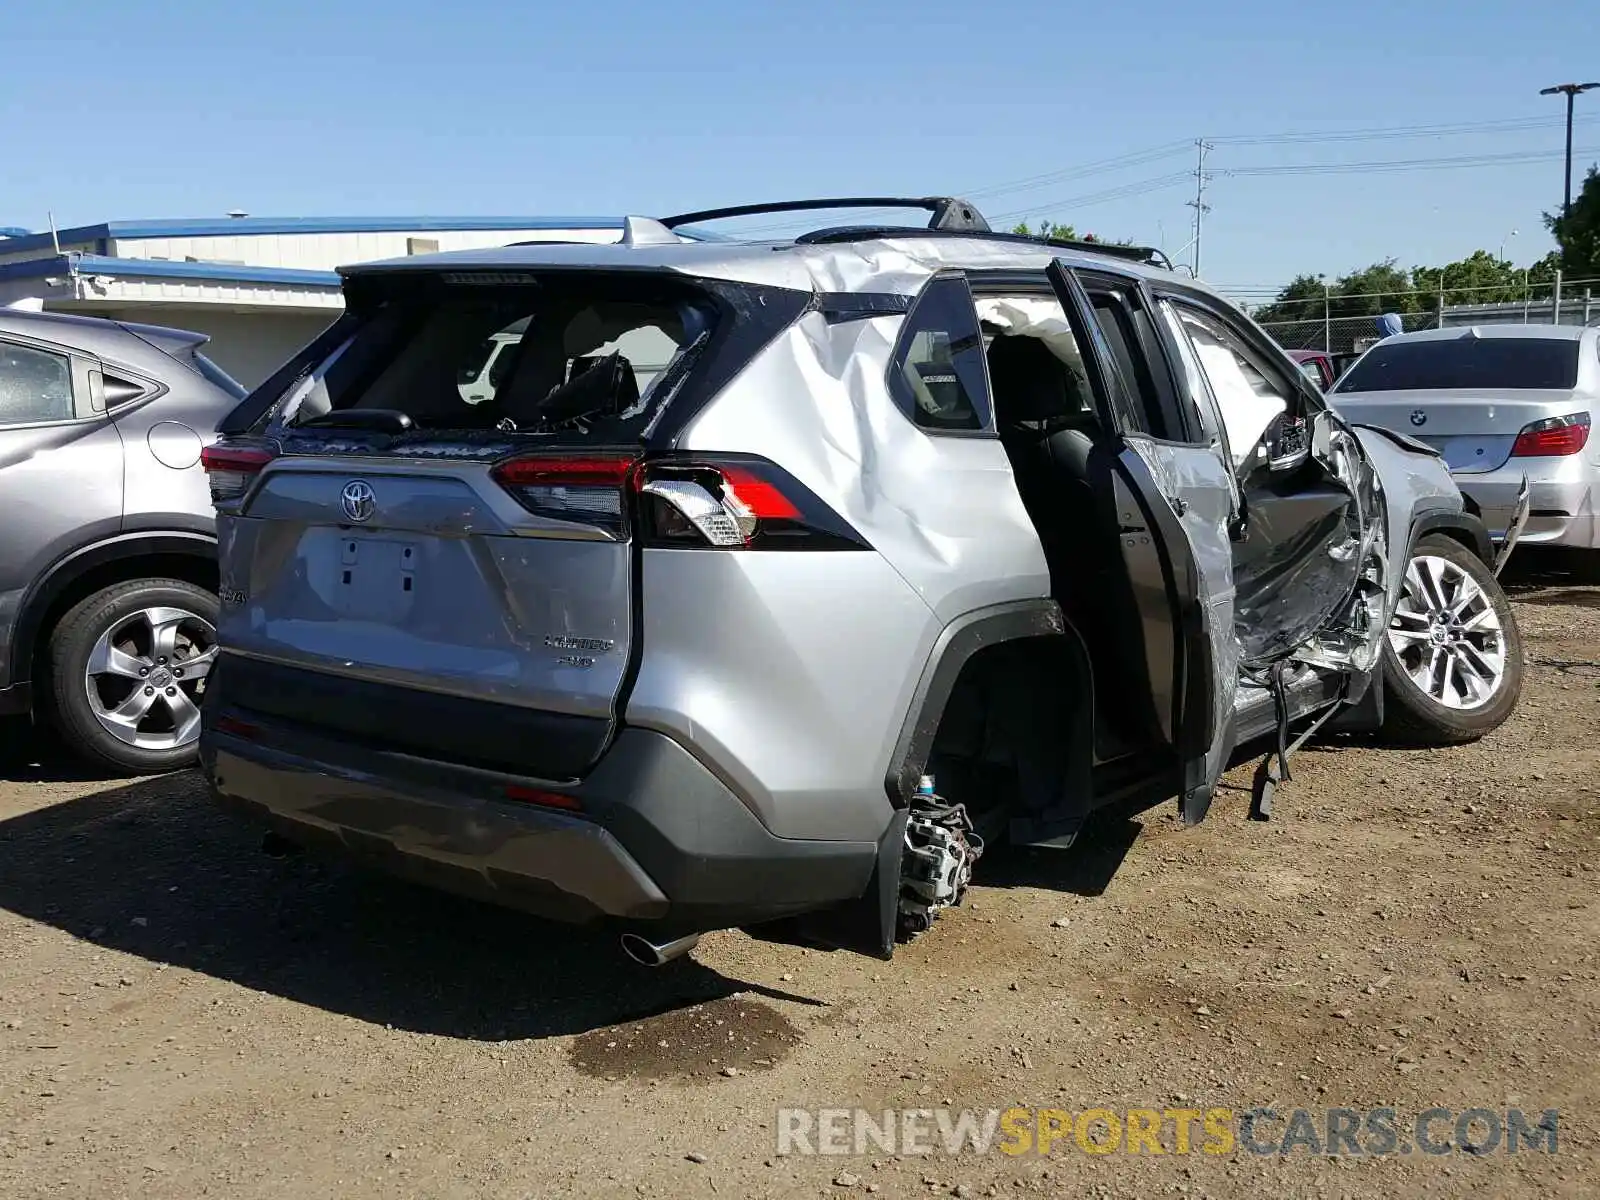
(35, 386)
(1501, 363)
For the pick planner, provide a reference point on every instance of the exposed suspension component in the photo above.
(941, 848)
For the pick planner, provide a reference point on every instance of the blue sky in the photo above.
(180, 108)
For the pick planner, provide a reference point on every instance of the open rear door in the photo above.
(1172, 506)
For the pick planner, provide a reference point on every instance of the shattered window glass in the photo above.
(577, 352)
(35, 386)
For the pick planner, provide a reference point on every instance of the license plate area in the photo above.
(1462, 455)
(376, 578)
(1469, 455)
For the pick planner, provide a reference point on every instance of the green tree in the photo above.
(1303, 310)
(1480, 278)
(1542, 274)
(1303, 314)
(1577, 231)
(1063, 233)
(1049, 229)
(1381, 288)
(1295, 318)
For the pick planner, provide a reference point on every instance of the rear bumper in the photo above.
(1560, 500)
(660, 842)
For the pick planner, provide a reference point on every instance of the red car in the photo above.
(1321, 367)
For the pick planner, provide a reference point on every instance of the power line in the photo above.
(1137, 187)
(1169, 149)
(1513, 125)
(1380, 166)
(1132, 159)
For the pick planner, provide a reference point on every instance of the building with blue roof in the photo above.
(260, 287)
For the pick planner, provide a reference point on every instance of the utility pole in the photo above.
(1570, 91)
(1201, 208)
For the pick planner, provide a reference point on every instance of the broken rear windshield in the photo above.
(584, 353)
(1466, 362)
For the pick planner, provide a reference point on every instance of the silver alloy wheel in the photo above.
(145, 676)
(1447, 634)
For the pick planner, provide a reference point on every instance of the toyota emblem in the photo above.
(1418, 418)
(357, 500)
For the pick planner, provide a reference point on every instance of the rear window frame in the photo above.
(1352, 382)
(749, 318)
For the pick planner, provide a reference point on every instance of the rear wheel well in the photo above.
(1016, 732)
(1459, 535)
(200, 570)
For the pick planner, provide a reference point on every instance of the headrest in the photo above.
(1029, 383)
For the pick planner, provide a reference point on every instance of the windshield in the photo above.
(213, 374)
(1498, 363)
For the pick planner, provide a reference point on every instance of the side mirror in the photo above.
(1286, 443)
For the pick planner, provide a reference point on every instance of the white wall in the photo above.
(325, 251)
(248, 346)
(251, 346)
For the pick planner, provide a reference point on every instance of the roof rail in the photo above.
(1147, 255)
(950, 214)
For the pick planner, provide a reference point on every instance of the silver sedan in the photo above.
(1501, 403)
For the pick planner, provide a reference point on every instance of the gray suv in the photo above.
(917, 538)
(107, 544)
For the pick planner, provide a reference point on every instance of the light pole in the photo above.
(1570, 91)
(1503, 242)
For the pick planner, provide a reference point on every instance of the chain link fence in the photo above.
(1348, 324)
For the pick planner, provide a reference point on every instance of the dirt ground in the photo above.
(182, 1016)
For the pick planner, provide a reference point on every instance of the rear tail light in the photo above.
(1557, 436)
(725, 502)
(588, 490)
(735, 504)
(231, 469)
(723, 506)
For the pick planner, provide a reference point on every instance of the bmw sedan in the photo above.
(1501, 403)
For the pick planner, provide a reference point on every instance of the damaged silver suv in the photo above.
(907, 539)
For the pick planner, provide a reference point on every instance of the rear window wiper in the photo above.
(375, 420)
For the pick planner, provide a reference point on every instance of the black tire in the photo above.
(71, 643)
(1411, 715)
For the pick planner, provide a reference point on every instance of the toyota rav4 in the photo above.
(915, 537)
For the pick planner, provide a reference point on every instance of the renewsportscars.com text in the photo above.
(1260, 1130)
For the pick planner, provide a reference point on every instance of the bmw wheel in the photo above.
(128, 666)
(1452, 661)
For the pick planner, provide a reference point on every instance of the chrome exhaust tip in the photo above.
(657, 954)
